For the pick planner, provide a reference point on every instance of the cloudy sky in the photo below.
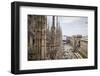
(72, 25)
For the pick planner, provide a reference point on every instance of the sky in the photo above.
(72, 25)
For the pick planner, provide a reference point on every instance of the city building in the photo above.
(80, 45)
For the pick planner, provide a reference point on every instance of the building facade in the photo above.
(44, 42)
(37, 37)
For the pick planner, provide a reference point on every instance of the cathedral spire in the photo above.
(57, 21)
(53, 23)
(53, 20)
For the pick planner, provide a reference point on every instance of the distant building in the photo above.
(65, 39)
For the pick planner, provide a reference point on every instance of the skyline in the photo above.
(71, 25)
